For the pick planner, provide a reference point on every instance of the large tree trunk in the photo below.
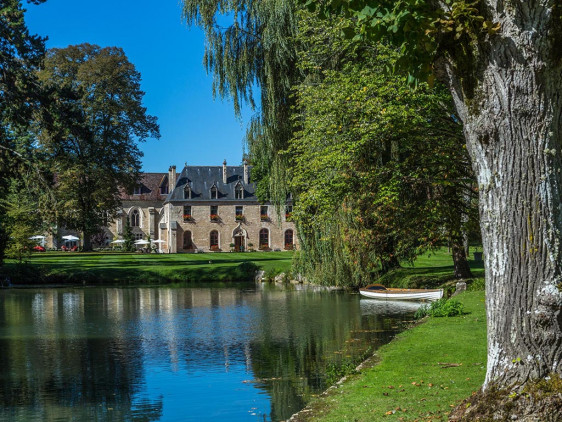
(513, 129)
(86, 242)
(460, 263)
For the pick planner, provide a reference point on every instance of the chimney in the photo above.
(172, 177)
(246, 173)
(224, 171)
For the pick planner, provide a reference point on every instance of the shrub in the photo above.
(477, 284)
(445, 308)
(440, 308)
(334, 372)
(421, 312)
(246, 270)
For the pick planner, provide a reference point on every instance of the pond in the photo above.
(221, 352)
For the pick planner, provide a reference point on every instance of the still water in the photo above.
(235, 353)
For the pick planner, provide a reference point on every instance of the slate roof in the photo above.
(202, 178)
(150, 188)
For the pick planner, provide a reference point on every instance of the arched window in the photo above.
(264, 239)
(187, 242)
(239, 192)
(214, 239)
(187, 192)
(288, 239)
(214, 192)
(135, 218)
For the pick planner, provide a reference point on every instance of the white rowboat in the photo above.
(378, 291)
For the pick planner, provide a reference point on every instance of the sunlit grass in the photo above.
(107, 267)
(422, 374)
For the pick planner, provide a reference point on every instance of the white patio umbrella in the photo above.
(37, 237)
(142, 242)
(159, 241)
(118, 241)
(70, 238)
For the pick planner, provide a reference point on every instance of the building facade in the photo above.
(203, 209)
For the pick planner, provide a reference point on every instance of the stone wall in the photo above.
(200, 226)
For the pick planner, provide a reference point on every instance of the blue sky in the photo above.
(195, 128)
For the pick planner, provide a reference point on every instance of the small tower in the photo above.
(224, 171)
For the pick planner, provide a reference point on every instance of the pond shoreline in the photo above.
(436, 376)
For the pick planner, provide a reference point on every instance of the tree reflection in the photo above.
(67, 371)
(90, 354)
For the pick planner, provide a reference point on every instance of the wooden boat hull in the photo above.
(403, 294)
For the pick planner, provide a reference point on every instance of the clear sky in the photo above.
(195, 128)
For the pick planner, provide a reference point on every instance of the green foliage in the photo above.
(444, 308)
(478, 284)
(378, 169)
(336, 371)
(246, 271)
(129, 244)
(20, 56)
(421, 312)
(420, 30)
(22, 221)
(91, 145)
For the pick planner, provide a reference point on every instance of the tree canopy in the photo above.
(91, 132)
(379, 171)
(20, 57)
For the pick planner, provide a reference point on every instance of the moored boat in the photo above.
(378, 291)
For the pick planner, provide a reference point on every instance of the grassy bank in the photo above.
(429, 270)
(421, 375)
(131, 268)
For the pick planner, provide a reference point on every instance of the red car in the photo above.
(39, 248)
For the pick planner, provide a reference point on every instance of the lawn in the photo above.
(127, 268)
(422, 373)
(429, 270)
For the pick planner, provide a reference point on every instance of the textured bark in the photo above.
(462, 269)
(512, 118)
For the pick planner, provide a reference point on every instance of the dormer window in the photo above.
(187, 192)
(214, 192)
(239, 192)
(164, 189)
(137, 190)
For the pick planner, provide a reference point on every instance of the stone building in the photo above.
(205, 208)
(143, 207)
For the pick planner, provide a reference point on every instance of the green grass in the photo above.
(131, 268)
(432, 269)
(410, 382)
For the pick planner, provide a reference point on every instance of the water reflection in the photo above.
(389, 307)
(235, 353)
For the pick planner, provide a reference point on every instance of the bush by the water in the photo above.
(441, 308)
(246, 271)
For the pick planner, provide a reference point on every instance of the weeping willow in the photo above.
(251, 44)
